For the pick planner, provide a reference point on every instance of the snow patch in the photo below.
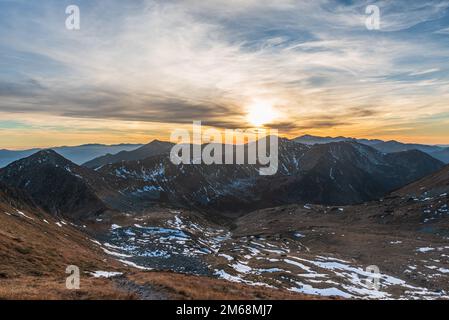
(425, 249)
(105, 274)
(24, 215)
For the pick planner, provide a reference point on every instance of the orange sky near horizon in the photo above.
(19, 139)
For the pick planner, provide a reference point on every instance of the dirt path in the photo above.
(143, 292)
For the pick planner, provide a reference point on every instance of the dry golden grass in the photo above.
(33, 247)
(165, 285)
(34, 256)
(45, 288)
(189, 287)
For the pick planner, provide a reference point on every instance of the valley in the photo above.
(310, 251)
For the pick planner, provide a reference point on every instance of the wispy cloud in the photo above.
(172, 62)
(419, 73)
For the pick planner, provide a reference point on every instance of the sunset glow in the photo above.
(135, 72)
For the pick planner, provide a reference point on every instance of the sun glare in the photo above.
(261, 113)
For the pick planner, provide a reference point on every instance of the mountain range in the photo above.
(438, 152)
(77, 154)
(336, 173)
(157, 147)
(96, 155)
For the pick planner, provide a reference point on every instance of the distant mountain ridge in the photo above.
(153, 148)
(76, 154)
(395, 146)
(438, 152)
(310, 140)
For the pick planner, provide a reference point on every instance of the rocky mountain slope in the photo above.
(57, 185)
(334, 173)
(434, 184)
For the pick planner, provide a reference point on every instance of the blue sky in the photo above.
(137, 70)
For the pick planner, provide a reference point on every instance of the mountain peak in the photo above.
(48, 156)
(310, 139)
(46, 153)
(157, 142)
(56, 184)
(40, 161)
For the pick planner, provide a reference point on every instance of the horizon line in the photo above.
(168, 140)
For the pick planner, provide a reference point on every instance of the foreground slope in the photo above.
(311, 249)
(404, 234)
(36, 248)
(328, 248)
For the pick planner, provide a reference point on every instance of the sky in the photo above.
(140, 69)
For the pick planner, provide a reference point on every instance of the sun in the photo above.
(260, 113)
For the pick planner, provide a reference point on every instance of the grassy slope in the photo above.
(34, 255)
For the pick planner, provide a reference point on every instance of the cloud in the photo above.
(419, 73)
(179, 61)
(443, 31)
